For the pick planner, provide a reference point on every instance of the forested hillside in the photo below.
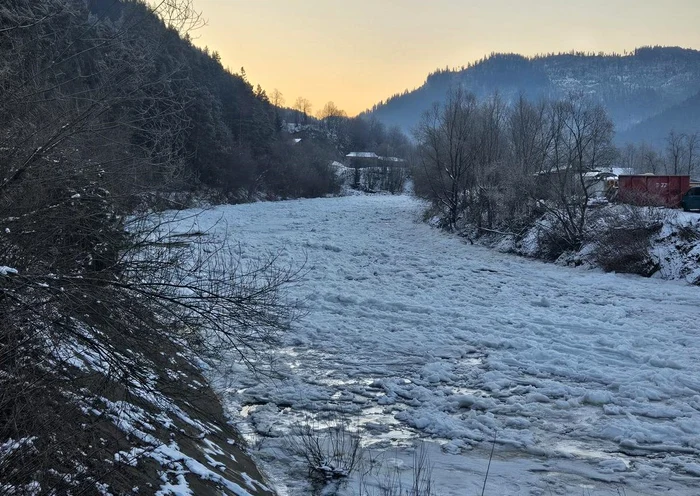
(107, 108)
(632, 87)
(681, 118)
(114, 85)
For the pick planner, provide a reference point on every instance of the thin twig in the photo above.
(493, 446)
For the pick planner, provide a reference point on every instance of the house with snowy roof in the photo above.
(361, 160)
(372, 171)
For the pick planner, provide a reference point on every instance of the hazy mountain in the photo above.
(683, 118)
(634, 87)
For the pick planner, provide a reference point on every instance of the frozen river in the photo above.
(589, 382)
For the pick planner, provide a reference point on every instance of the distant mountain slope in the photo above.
(633, 87)
(683, 118)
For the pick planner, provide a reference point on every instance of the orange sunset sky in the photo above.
(357, 52)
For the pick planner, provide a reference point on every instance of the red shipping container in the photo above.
(653, 190)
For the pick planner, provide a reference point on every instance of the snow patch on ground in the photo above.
(5, 270)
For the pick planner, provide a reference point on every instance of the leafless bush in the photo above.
(552, 242)
(688, 233)
(205, 294)
(87, 285)
(389, 482)
(304, 171)
(395, 179)
(331, 453)
(623, 245)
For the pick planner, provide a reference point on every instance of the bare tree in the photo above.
(581, 135)
(446, 152)
(334, 120)
(277, 98)
(304, 107)
(630, 157)
(650, 160)
(490, 154)
(527, 129)
(330, 110)
(692, 141)
(529, 147)
(675, 152)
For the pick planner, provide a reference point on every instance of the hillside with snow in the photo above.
(656, 242)
(633, 87)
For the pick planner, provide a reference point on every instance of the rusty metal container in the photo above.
(650, 189)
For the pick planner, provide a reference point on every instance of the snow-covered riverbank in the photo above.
(585, 379)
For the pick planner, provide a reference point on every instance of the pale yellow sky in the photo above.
(357, 52)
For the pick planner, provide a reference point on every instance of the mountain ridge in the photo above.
(634, 87)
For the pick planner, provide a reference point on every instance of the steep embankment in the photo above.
(101, 101)
(90, 407)
(165, 435)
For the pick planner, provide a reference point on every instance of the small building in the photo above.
(375, 172)
(361, 160)
(600, 184)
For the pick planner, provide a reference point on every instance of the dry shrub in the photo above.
(553, 243)
(624, 245)
(688, 233)
(390, 481)
(330, 454)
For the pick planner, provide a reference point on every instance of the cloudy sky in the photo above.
(357, 52)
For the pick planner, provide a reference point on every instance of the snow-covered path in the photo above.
(584, 378)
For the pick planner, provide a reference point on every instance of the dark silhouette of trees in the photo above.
(106, 105)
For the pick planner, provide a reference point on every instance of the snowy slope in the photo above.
(588, 381)
(673, 246)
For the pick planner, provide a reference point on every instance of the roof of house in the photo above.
(362, 155)
(373, 156)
